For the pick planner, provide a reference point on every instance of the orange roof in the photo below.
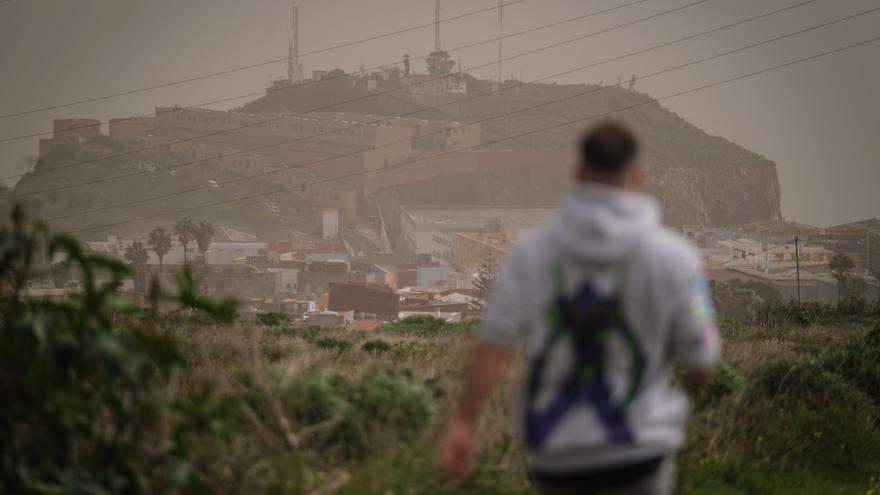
(364, 325)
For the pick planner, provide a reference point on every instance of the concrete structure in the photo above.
(472, 249)
(227, 253)
(330, 318)
(70, 132)
(330, 224)
(428, 232)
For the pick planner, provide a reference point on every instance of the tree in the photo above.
(136, 254)
(486, 277)
(439, 63)
(159, 241)
(203, 232)
(334, 74)
(840, 266)
(184, 229)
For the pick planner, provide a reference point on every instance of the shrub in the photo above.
(383, 404)
(376, 347)
(427, 326)
(281, 329)
(726, 380)
(80, 378)
(328, 343)
(272, 319)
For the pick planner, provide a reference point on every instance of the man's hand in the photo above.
(457, 457)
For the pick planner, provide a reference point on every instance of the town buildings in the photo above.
(431, 233)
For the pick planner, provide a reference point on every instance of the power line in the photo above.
(381, 93)
(249, 66)
(396, 62)
(535, 131)
(619, 57)
(196, 138)
(765, 250)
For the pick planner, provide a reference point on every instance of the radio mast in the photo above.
(437, 46)
(294, 66)
(500, 35)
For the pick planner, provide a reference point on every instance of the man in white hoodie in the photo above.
(606, 301)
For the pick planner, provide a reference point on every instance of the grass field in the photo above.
(792, 410)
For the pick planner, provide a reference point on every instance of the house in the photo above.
(330, 318)
(363, 298)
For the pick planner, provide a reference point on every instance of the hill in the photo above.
(699, 178)
(142, 176)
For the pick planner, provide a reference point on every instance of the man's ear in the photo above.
(635, 177)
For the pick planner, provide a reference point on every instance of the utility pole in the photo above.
(797, 261)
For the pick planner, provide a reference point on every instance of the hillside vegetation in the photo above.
(110, 398)
(132, 181)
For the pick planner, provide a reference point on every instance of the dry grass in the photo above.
(718, 433)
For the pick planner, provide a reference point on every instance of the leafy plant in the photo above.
(272, 318)
(727, 379)
(376, 347)
(328, 343)
(80, 376)
(383, 403)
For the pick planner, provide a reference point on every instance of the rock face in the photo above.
(699, 178)
(716, 196)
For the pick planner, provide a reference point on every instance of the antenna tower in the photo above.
(294, 66)
(437, 46)
(500, 35)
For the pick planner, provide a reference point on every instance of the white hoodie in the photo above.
(606, 243)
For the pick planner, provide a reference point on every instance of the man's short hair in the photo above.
(607, 149)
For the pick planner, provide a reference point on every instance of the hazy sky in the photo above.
(818, 120)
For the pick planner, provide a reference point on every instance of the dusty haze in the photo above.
(817, 121)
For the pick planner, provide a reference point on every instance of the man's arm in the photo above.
(697, 344)
(487, 363)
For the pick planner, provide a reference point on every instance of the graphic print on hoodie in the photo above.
(585, 320)
(603, 282)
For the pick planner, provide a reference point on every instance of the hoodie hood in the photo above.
(602, 224)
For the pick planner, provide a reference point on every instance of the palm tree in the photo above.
(137, 255)
(840, 266)
(184, 229)
(160, 242)
(203, 233)
(483, 284)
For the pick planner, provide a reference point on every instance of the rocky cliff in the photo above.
(699, 178)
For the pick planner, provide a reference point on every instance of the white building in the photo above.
(427, 233)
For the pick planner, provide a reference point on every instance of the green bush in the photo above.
(281, 329)
(272, 319)
(330, 343)
(376, 347)
(859, 363)
(726, 379)
(384, 404)
(427, 326)
(80, 378)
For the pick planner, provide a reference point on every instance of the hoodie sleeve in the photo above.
(504, 319)
(695, 340)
